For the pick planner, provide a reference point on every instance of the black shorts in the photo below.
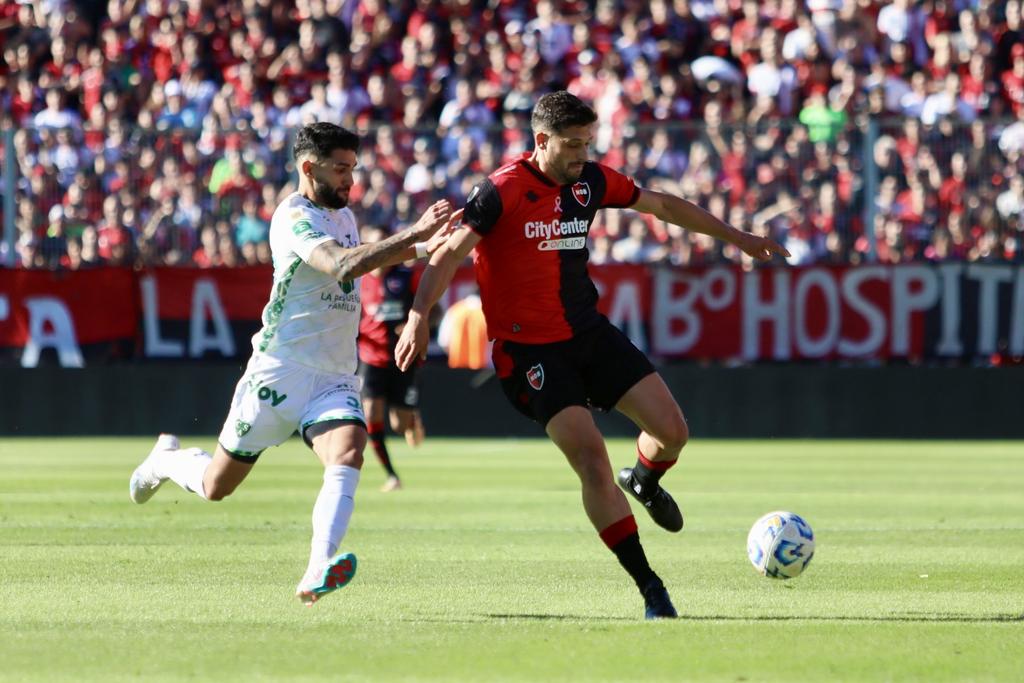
(594, 369)
(391, 384)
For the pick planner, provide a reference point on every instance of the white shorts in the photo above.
(276, 397)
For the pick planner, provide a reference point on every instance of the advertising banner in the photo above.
(834, 313)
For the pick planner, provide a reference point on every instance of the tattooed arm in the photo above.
(347, 264)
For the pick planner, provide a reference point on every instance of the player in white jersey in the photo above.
(302, 372)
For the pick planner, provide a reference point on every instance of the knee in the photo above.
(354, 459)
(594, 471)
(350, 457)
(215, 490)
(679, 433)
(674, 434)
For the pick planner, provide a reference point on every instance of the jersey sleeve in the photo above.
(483, 208)
(620, 190)
(301, 232)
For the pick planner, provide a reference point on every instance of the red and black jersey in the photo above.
(386, 302)
(531, 264)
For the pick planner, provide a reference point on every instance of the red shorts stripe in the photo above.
(617, 532)
(375, 428)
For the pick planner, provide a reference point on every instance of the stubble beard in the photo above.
(328, 196)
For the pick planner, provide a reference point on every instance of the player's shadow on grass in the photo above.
(555, 617)
(916, 618)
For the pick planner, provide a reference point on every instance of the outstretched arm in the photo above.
(435, 280)
(347, 264)
(677, 210)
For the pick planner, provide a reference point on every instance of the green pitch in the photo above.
(485, 568)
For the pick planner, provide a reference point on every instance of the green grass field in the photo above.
(485, 568)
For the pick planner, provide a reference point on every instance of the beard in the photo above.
(328, 196)
(571, 175)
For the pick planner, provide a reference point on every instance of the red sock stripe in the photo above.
(375, 428)
(614, 534)
(657, 465)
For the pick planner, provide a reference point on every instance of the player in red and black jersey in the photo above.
(387, 295)
(557, 357)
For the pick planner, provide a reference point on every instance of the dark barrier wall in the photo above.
(770, 401)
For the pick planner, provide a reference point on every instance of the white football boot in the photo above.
(392, 484)
(144, 482)
(326, 578)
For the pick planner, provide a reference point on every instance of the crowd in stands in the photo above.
(157, 132)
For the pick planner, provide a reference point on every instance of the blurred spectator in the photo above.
(318, 109)
(904, 21)
(823, 122)
(465, 111)
(424, 174)
(175, 113)
(115, 247)
(251, 227)
(1009, 35)
(207, 255)
(772, 78)
(53, 246)
(1010, 202)
(947, 102)
(56, 116)
(551, 35)
(1013, 78)
(29, 255)
(636, 246)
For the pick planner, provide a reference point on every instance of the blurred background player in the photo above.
(387, 295)
(301, 375)
(556, 355)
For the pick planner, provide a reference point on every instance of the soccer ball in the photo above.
(780, 545)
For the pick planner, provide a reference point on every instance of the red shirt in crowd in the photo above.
(951, 194)
(21, 110)
(971, 90)
(1014, 87)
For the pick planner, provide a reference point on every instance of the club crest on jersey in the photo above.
(581, 191)
(535, 376)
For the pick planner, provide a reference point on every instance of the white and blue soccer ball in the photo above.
(780, 545)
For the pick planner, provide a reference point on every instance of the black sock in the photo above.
(646, 477)
(633, 559)
(648, 473)
(377, 440)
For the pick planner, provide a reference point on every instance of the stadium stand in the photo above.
(156, 132)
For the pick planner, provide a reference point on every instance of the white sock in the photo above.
(185, 468)
(332, 511)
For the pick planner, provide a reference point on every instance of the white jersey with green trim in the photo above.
(311, 318)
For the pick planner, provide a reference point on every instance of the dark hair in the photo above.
(320, 139)
(557, 111)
